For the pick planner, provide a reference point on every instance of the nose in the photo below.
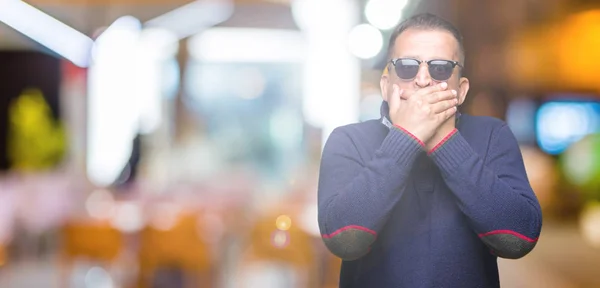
(423, 79)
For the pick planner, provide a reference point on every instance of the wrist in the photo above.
(439, 138)
(429, 145)
(416, 137)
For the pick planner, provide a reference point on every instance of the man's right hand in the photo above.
(423, 112)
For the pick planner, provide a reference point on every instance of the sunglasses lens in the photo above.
(440, 70)
(407, 68)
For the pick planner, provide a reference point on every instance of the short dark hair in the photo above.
(426, 21)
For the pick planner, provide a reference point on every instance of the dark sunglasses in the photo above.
(439, 70)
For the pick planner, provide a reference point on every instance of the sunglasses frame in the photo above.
(428, 62)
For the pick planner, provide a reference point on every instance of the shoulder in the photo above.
(356, 135)
(484, 133)
(478, 126)
(481, 122)
(361, 128)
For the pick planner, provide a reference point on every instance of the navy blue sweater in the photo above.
(400, 216)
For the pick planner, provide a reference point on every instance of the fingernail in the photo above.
(444, 85)
(454, 92)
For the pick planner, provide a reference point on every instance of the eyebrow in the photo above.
(410, 56)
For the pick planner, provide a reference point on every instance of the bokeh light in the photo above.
(365, 41)
(581, 165)
(384, 14)
(561, 123)
(542, 173)
(164, 216)
(128, 217)
(590, 224)
(283, 222)
(280, 239)
(100, 204)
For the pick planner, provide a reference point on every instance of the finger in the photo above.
(441, 96)
(432, 89)
(394, 100)
(405, 95)
(448, 113)
(442, 106)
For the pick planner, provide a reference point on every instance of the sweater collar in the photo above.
(384, 111)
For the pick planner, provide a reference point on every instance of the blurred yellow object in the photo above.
(95, 241)
(2, 255)
(589, 223)
(333, 267)
(283, 222)
(180, 246)
(36, 141)
(558, 56)
(578, 44)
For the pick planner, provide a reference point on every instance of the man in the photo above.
(424, 196)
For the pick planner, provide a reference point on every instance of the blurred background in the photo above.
(154, 143)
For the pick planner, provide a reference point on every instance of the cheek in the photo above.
(403, 84)
(454, 83)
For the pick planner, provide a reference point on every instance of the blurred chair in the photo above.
(278, 254)
(98, 242)
(3, 255)
(174, 250)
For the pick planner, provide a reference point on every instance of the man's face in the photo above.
(424, 45)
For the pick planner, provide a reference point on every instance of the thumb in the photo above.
(394, 100)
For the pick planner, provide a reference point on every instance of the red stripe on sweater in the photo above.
(411, 135)
(355, 227)
(443, 141)
(508, 232)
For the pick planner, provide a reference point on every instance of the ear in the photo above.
(384, 84)
(463, 88)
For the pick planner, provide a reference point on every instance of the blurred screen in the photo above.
(560, 123)
(520, 117)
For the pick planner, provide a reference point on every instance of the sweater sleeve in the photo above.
(355, 197)
(494, 193)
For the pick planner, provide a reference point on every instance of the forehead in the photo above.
(426, 45)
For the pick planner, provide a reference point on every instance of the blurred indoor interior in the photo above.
(169, 143)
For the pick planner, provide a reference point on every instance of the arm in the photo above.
(495, 195)
(356, 198)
